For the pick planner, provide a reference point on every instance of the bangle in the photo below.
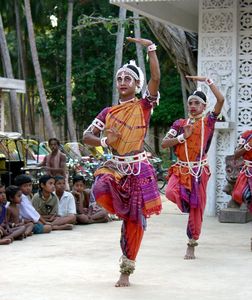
(181, 138)
(247, 147)
(209, 81)
(103, 142)
(151, 47)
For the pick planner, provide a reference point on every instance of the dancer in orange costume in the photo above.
(126, 184)
(188, 177)
(242, 191)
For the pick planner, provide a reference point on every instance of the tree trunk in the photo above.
(118, 51)
(184, 94)
(178, 47)
(139, 48)
(36, 65)
(23, 62)
(140, 61)
(70, 120)
(16, 124)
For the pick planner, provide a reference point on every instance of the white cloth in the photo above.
(27, 211)
(66, 205)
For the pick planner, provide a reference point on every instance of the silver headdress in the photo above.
(135, 72)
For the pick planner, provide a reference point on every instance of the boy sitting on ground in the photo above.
(46, 204)
(13, 217)
(7, 234)
(87, 213)
(67, 208)
(27, 211)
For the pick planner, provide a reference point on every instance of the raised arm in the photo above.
(218, 95)
(170, 140)
(153, 84)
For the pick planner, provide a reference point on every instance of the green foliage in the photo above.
(93, 50)
(171, 102)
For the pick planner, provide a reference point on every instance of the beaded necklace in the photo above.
(197, 173)
(122, 102)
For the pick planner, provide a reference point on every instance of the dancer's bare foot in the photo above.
(123, 281)
(189, 252)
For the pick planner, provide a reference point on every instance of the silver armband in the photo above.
(181, 138)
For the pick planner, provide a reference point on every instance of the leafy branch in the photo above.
(108, 23)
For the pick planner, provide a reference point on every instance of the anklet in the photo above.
(192, 243)
(127, 266)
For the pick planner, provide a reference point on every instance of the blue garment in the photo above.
(38, 228)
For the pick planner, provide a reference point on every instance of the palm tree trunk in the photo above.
(36, 65)
(139, 48)
(118, 51)
(23, 62)
(184, 93)
(70, 120)
(140, 59)
(178, 47)
(16, 124)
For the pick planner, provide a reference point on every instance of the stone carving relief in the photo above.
(246, 20)
(216, 46)
(220, 166)
(221, 73)
(217, 22)
(233, 167)
(245, 93)
(211, 4)
(244, 109)
(245, 116)
(245, 69)
(246, 45)
(245, 3)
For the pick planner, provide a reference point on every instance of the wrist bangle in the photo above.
(103, 142)
(181, 138)
(247, 147)
(151, 47)
(209, 81)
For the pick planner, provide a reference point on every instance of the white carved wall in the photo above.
(244, 96)
(1, 113)
(218, 60)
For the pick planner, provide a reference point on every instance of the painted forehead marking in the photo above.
(124, 74)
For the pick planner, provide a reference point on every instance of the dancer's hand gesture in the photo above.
(188, 129)
(197, 78)
(112, 135)
(140, 41)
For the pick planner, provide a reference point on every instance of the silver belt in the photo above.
(192, 164)
(129, 158)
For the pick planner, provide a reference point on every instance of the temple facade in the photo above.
(224, 30)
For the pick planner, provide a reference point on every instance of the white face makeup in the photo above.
(124, 78)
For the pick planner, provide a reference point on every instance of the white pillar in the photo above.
(211, 187)
(1, 112)
(217, 59)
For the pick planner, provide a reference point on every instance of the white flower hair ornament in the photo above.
(135, 72)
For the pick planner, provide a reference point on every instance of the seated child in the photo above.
(7, 234)
(67, 208)
(87, 213)
(27, 211)
(46, 204)
(13, 217)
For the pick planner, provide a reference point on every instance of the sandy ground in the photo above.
(84, 263)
